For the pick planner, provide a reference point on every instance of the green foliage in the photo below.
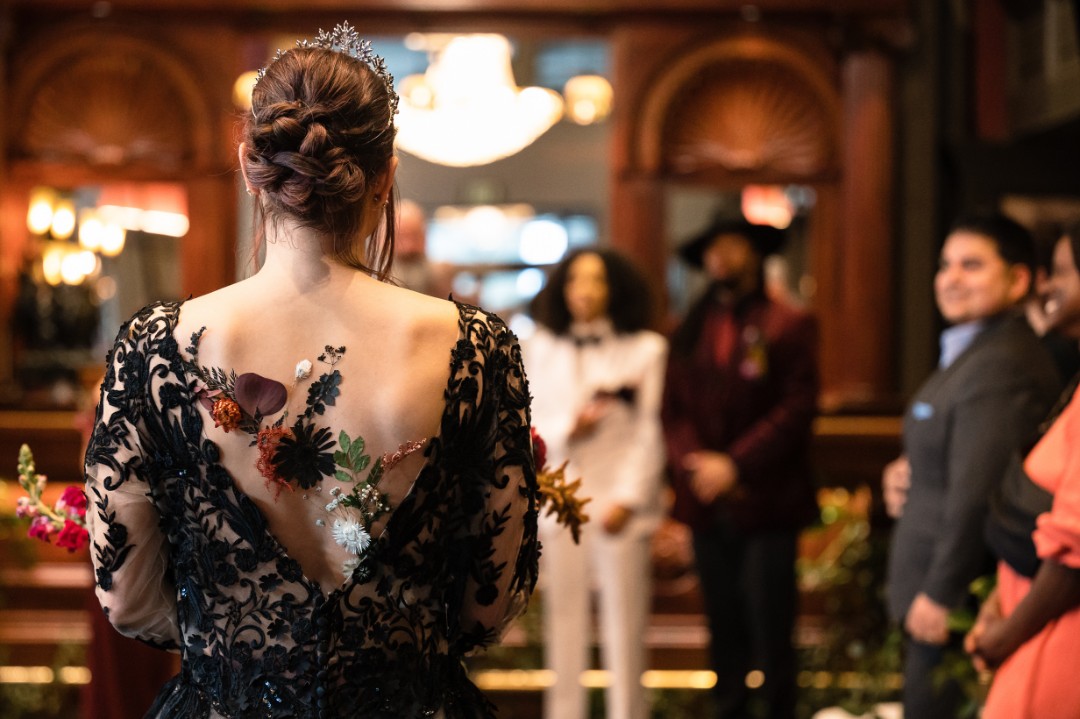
(350, 457)
(365, 495)
(856, 663)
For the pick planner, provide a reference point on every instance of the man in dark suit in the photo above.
(994, 384)
(740, 397)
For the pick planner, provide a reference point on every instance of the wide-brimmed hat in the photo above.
(765, 239)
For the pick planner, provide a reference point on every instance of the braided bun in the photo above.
(319, 138)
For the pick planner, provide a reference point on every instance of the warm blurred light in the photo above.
(90, 230)
(112, 239)
(416, 90)
(88, 262)
(157, 208)
(63, 220)
(242, 89)
(588, 98)
(71, 268)
(171, 224)
(39, 216)
(51, 262)
(767, 205)
(467, 110)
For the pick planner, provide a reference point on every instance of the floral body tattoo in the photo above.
(304, 453)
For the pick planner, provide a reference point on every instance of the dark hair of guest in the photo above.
(1014, 243)
(629, 300)
(318, 137)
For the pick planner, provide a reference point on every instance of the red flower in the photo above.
(72, 536)
(72, 500)
(41, 528)
(267, 442)
(539, 449)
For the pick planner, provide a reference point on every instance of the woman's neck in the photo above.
(301, 259)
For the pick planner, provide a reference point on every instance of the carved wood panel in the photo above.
(109, 100)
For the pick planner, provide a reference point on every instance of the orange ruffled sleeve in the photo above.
(1054, 464)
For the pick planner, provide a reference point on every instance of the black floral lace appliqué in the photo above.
(257, 638)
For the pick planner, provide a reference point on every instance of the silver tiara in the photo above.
(344, 39)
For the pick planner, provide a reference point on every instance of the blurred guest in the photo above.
(1039, 308)
(739, 400)
(412, 267)
(1030, 627)
(597, 375)
(995, 381)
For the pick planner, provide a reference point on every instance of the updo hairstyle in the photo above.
(320, 134)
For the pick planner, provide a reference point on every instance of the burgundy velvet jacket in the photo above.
(747, 386)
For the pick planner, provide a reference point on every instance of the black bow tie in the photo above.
(626, 393)
(586, 340)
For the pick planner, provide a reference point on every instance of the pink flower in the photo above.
(72, 536)
(41, 528)
(73, 501)
(205, 395)
(24, 508)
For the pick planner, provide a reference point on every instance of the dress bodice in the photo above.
(185, 560)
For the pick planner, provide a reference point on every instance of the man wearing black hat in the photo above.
(740, 398)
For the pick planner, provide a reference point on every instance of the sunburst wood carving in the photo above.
(747, 115)
(108, 108)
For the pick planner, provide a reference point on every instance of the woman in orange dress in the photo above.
(1030, 628)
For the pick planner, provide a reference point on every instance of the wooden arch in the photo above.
(741, 105)
(750, 108)
(109, 99)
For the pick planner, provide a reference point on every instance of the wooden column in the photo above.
(208, 251)
(858, 347)
(637, 192)
(990, 71)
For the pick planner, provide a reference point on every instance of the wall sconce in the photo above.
(588, 98)
(39, 215)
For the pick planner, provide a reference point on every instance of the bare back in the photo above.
(394, 372)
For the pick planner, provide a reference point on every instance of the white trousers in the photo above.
(618, 568)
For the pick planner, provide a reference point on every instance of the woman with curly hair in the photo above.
(598, 377)
(1029, 627)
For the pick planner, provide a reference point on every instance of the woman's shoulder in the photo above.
(482, 326)
(151, 323)
(648, 341)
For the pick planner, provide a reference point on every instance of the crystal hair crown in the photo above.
(344, 39)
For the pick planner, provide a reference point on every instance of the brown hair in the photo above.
(320, 134)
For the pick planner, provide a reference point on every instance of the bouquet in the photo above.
(66, 519)
(557, 495)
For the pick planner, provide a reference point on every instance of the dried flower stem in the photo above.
(560, 498)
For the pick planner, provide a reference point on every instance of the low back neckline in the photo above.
(379, 539)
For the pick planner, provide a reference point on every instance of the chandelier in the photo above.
(466, 110)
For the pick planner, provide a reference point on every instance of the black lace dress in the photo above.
(186, 561)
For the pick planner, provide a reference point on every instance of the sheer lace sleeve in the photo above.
(128, 546)
(503, 567)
